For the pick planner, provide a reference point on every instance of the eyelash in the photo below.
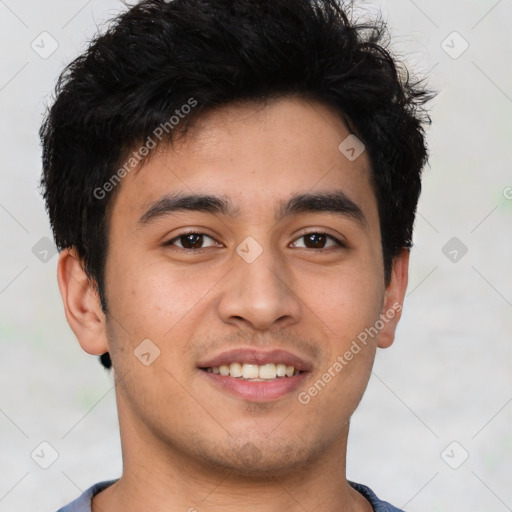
(339, 243)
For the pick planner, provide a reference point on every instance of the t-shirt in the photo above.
(83, 502)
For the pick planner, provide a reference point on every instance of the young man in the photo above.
(232, 186)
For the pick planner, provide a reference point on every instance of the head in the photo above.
(252, 102)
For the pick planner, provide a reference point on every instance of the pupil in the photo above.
(318, 236)
(316, 240)
(190, 237)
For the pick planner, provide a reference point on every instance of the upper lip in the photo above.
(259, 357)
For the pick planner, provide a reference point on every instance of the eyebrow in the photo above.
(336, 202)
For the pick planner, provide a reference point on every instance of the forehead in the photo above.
(253, 156)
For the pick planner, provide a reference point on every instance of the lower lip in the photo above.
(257, 391)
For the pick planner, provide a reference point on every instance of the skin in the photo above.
(187, 444)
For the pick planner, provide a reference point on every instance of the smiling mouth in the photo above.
(254, 372)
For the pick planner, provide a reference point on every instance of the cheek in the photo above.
(346, 300)
(151, 299)
(348, 303)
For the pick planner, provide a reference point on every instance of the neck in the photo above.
(160, 477)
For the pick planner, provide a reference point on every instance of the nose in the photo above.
(259, 294)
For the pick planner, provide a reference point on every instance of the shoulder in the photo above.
(83, 502)
(377, 504)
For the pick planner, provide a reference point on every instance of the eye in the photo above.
(195, 241)
(191, 241)
(317, 240)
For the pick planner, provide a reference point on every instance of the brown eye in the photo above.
(190, 241)
(318, 240)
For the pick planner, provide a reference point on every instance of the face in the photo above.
(281, 267)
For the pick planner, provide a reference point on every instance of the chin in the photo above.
(261, 459)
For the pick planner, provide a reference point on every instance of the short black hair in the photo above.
(159, 54)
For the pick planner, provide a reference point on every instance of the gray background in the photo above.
(447, 379)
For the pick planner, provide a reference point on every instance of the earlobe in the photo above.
(394, 298)
(81, 303)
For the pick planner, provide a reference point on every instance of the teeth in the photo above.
(281, 370)
(235, 370)
(255, 372)
(268, 371)
(250, 371)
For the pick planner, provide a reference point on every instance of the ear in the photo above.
(394, 298)
(82, 304)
